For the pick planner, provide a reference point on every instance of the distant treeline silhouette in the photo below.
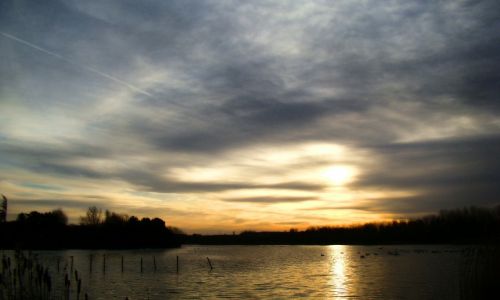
(110, 230)
(471, 225)
(50, 230)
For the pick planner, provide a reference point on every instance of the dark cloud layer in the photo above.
(446, 173)
(182, 83)
(445, 163)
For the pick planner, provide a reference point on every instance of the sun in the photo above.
(339, 175)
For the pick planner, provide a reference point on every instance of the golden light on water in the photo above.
(338, 270)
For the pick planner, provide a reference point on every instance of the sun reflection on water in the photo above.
(338, 269)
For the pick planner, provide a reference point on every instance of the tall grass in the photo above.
(23, 277)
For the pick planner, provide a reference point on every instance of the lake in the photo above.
(251, 272)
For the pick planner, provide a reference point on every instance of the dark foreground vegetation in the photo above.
(96, 230)
(470, 225)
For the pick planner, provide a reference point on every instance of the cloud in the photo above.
(409, 88)
(445, 163)
(78, 161)
(90, 69)
(44, 204)
(444, 173)
(152, 182)
(269, 200)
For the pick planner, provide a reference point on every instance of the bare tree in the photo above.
(3, 209)
(93, 216)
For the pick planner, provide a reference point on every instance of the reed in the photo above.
(24, 278)
(67, 286)
(79, 288)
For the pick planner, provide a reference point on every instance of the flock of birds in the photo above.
(397, 252)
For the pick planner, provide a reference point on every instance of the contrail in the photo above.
(90, 69)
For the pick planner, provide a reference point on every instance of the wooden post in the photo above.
(154, 263)
(177, 264)
(141, 264)
(58, 262)
(90, 263)
(104, 263)
(122, 263)
(209, 263)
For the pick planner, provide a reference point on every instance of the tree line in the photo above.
(469, 225)
(3, 210)
(110, 230)
(98, 229)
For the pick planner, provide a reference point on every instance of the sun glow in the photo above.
(339, 175)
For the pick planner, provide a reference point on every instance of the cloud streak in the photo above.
(72, 62)
(269, 200)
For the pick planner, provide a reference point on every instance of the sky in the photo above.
(222, 116)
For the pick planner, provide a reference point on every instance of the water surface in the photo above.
(278, 272)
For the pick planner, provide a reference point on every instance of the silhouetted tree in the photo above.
(133, 220)
(176, 230)
(58, 217)
(50, 230)
(93, 216)
(3, 209)
(115, 219)
(158, 223)
(39, 220)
